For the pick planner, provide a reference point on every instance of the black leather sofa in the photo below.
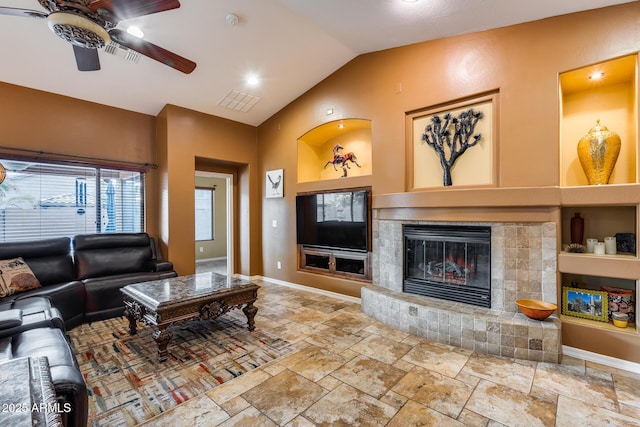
(82, 276)
(80, 282)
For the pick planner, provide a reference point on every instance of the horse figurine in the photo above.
(341, 159)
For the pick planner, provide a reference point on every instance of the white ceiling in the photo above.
(290, 44)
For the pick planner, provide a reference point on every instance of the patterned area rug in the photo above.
(126, 383)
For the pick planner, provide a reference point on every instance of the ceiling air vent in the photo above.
(239, 101)
(123, 52)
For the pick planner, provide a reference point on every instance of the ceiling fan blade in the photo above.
(28, 13)
(152, 51)
(86, 59)
(126, 9)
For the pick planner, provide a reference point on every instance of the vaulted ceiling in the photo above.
(288, 45)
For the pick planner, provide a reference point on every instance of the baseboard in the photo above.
(210, 259)
(304, 288)
(601, 359)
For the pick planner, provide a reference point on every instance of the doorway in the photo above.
(214, 223)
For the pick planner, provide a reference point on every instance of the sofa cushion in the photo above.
(49, 259)
(101, 255)
(16, 276)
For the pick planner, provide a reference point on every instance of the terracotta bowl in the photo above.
(535, 309)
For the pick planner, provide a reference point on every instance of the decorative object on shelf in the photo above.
(452, 136)
(621, 300)
(591, 243)
(535, 309)
(275, 184)
(598, 248)
(3, 173)
(577, 228)
(620, 320)
(576, 248)
(610, 245)
(626, 242)
(340, 158)
(598, 152)
(585, 303)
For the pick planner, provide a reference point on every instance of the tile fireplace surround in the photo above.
(523, 265)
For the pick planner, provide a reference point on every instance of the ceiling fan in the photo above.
(90, 25)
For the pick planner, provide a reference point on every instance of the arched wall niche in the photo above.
(316, 150)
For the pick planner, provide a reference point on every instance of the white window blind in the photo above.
(44, 200)
(204, 213)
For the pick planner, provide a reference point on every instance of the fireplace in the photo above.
(448, 262)
(522, 259)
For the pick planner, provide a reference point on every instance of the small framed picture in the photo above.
(275, 183)
(585, 303)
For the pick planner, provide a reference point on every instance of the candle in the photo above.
(610, 245)
(591, 244)
(598, 248)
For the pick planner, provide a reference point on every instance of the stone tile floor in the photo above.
(350, 370)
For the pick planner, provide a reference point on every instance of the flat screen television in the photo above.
(334, 219)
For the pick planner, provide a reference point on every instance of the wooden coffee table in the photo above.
(163, 303)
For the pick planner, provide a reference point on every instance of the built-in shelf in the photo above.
(606, 326)
(335, 262)
(618, 266)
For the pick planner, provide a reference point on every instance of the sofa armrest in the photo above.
(10, 318)
(158, 265)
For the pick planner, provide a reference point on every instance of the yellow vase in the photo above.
(598, 152)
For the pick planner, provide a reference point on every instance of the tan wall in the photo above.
(521, 62)
(36, 120)
(186, 137)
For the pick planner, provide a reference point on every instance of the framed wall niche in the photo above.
(316, 150)
(604, 91)
(476, 166)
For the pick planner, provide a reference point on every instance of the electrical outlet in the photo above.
(201, 249)
(274, 223)
(279, 265)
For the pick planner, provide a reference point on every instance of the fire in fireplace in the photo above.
(448, 262)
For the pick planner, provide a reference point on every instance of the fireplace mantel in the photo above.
(519, 198)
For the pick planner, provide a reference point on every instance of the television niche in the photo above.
(334, 232)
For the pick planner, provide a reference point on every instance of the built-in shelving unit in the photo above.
(606, 209)
(335, 262)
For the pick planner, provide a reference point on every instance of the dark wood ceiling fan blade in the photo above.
(27, 13)
(126, 9)
(152, 51)
(86, 59)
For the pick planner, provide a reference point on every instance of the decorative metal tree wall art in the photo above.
(451, 136)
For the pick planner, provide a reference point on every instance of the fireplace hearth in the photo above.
(522, 263)
(448, 262)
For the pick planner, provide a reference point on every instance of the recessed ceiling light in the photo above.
(596, 75)
(135, 31)
(253, 80)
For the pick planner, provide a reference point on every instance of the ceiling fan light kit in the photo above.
(78, 30)
(89, 25)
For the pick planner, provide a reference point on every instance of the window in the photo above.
(205, 198)
(45, 200)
